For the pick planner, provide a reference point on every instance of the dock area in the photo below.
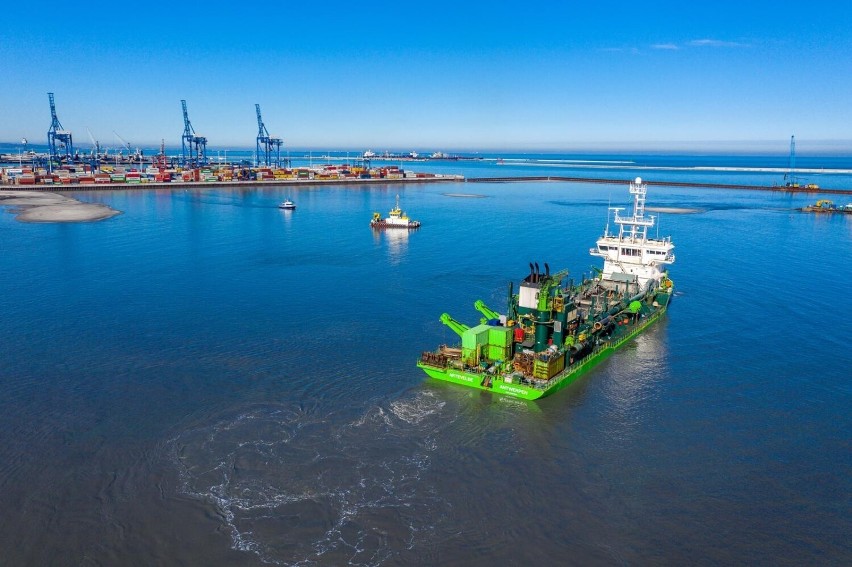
(82, 177)
(692, 184)
(201, 184)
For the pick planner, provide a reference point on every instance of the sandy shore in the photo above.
(40, 206)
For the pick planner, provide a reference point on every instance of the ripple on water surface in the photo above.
(296, 485)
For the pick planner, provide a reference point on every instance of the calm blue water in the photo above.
(206, 379)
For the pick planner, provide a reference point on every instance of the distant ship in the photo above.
(395, 219)
(826, 206)
(551, 335)
(288, 205)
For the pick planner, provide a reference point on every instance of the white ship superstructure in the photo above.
(631, 258)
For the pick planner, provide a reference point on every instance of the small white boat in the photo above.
(288, 204)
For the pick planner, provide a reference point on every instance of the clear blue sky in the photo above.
(433, 76)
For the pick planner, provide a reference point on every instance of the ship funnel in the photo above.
(537, 272)
(546, 270)
(532, 272)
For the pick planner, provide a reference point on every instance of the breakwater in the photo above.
(697, 185)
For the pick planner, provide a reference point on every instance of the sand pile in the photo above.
(40, 206)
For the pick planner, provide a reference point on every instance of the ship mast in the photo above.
(636, 225)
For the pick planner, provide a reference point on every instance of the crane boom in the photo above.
(187, 125)
(261, 128)
(123, 141)
(480, 306)
(458, 328)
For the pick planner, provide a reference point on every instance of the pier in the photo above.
(690, 184)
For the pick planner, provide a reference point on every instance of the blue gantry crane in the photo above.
(789, 177)
(58, 138)
(193, 148)
(268, 142)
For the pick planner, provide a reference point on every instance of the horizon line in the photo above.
(772, 146)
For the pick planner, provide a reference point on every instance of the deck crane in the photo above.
(193, 148)
(58, 136)
(268, 143)
(456, 326)
(487, 313)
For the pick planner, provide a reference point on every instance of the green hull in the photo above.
(551, 334)
(480, 380)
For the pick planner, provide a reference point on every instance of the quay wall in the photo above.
(200, 184)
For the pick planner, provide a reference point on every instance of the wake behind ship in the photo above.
(551, 335)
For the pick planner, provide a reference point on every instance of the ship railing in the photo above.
(584, 361)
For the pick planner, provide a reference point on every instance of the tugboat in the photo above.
(395, 219)
(551, 335)
(288, 205)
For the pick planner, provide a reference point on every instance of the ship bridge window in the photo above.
(630, 252)
(605, 248)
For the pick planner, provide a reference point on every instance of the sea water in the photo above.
(206, 379)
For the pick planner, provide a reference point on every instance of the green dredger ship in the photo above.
(551, 335)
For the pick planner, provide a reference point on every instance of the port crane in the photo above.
(58, 137)
(193, 148)
(136, 155)
(268, 142)
(96, 150)
(791, 181)
(122, 140)
(160, 160)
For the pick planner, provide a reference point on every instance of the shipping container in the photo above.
(544, 370)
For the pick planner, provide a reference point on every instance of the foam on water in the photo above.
(296, 487)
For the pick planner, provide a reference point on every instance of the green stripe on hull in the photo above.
(568, 376)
